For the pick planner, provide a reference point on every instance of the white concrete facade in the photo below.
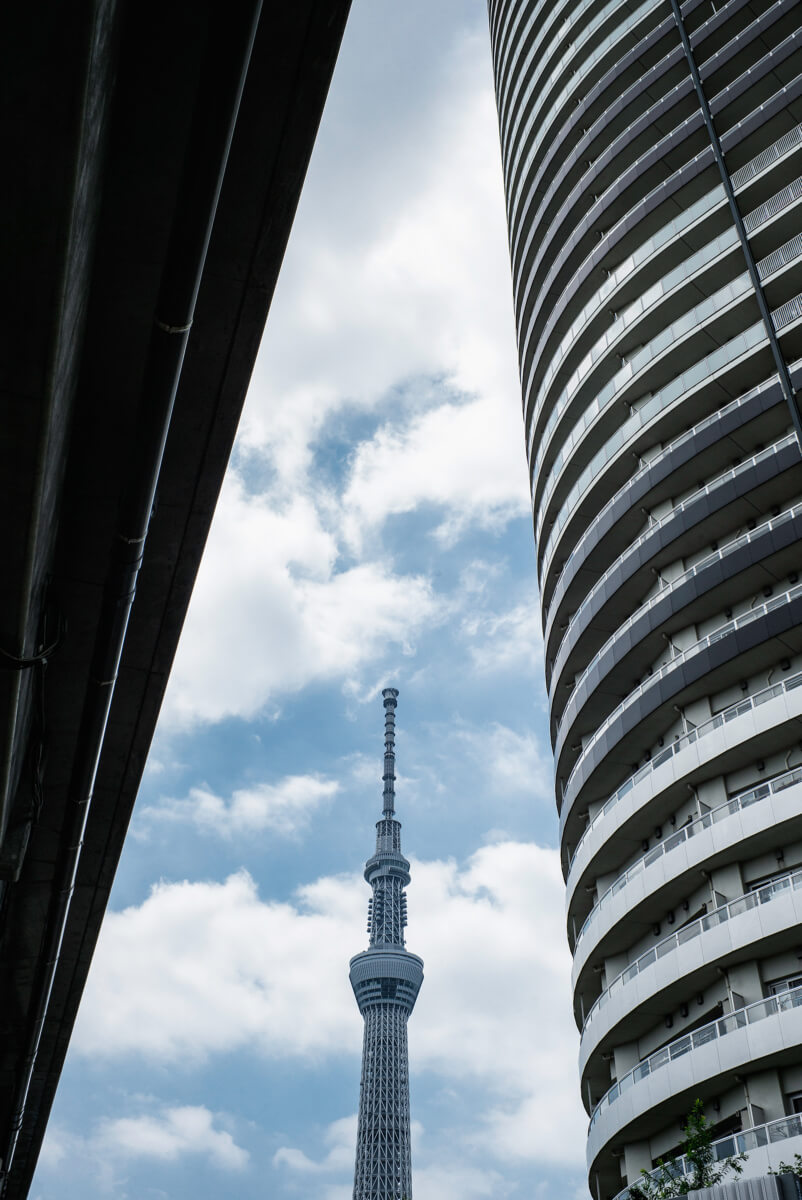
(652, 158)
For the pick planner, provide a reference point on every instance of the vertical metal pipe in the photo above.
(791, 395)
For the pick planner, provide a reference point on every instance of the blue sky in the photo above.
(374, 529)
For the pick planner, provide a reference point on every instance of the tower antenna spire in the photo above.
(390, 698)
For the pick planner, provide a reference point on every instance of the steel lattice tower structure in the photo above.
(386, 980)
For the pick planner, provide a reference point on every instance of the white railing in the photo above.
(668, 338)
(693, 929)
(689, 435)
(724, 355)
(706, 204)
(687, 739)
(737, 1143)
(728, 548)
(657, 523)
(711, 1032)
(677, 390)
(699, 208)
(789, 141)
(769, 208)
(740, 622)
(734, 804)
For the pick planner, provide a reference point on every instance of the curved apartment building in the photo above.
(652, 158)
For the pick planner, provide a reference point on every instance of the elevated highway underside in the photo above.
(109, 181)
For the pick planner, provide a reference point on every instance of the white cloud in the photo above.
(458, 1181)
(366, 304)
(408, 316)
(340, 1140)
(200, 968)
(499, 971)
(456, 456)
(205, 968)
(169, 1135)
(284, 808)
(271, 614)
(443, 1180)
(506, 640)
(515, 762)
(163, 1134)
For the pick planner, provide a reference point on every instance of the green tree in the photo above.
(703, 1169)
(794, 1168)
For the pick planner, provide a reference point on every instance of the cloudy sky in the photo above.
(374, 529)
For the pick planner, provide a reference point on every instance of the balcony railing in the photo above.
(701, 314)
(724, 551)
(738, 1143)
(704, 369)
(742, 904)
(678, 276)
(689, 435)
(657, 523)
(672, 230)
(736, 804)
(740, 622)
(561, 71)
(574, 285)
(700, 1037)
(687, 739)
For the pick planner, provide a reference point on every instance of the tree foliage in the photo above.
(794, 1168)
(703, 1169)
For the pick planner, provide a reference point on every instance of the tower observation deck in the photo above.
(386, 980)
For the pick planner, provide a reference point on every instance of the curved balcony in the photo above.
(529, 280)
(545, 254)
(653, 248)
(769, 1031)
(758, 822)
(724, 96)
(621, 572)
(644, 309)
(543, 88)
(534, 205)
(553, 204)
(651, 252)
(731, 933)
(693, 968)
(732, 571)
(738, 725)
(699, 852)
(738, 354)
(743, 352)
(621, 231)
(760, 402)
(634, 377)
(760, 817)
(514, 96)
(671, 339)
(617, 723)
(766, 1145)
(576, 141)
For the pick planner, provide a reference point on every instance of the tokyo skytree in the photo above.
(386, 980)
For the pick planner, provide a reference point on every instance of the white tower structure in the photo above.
(386, 980)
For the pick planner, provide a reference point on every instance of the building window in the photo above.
(777, 986)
